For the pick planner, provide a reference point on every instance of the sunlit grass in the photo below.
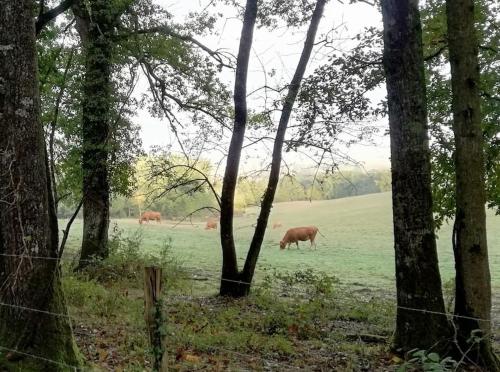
(357, 246)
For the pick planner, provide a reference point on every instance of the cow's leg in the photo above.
(313, 242)
(297, 243)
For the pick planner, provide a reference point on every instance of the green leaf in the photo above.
(434, 357)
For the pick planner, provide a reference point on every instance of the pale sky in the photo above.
(277, 50)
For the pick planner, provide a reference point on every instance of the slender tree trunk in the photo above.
(53, 127)
(418, 280)
(239, 283)
(473, 286)
(28, 224)
(267, 201)
(229, 263)
(95, 30)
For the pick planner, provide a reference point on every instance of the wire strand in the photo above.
(74, 368)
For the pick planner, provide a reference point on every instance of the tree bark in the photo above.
(31, 287)
(418, 281)
(472, 282)
(229, 263)
(95, 32)
(239, 283)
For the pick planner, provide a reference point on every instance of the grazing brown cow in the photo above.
(149, 215)
(211, 224)
(277, 224)
(295, 234)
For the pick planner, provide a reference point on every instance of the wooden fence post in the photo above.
(153, 315)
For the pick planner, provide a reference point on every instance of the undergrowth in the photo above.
(299, 319)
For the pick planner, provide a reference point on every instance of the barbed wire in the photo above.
(283, 288)
(216, 277)
(266, 286)
(64, 258)
(299, 290)
(24, 308)
(74, 368)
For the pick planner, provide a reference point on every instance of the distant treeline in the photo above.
(177, 203)
(175, 206)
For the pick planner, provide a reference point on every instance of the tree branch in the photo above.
(193, 212)
(489, 48)
(68, 227)
(168, 31)
(202, 174)
(51, 14)
(436, 53)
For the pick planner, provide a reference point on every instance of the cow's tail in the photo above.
(321, 234)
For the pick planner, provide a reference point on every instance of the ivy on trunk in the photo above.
(95, 27)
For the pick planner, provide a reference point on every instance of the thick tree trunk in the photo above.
(95, 30)
(28, 225)
(417, 274)
(473, 287)
(230, 273)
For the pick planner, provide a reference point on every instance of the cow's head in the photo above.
(140, 221)
(282, 244)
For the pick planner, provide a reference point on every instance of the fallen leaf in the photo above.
(396, 359)
(191, 358)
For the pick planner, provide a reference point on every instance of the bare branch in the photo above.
(193, 212)
(201, 173)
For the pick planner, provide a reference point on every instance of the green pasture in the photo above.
(357, 244)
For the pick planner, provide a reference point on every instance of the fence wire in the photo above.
(195, 274)
(38, 357)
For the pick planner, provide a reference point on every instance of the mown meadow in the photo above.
(356, 245)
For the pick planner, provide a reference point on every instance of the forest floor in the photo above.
(292, 321)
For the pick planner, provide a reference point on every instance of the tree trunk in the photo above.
(229, 264)
(473, 287)
(267, 200)
(234, 283)
(52, 132)
(28, 225)
(95, 30)
(418, 280)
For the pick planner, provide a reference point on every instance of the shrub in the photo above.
(126, 262)
(428, 362)
(308, 282)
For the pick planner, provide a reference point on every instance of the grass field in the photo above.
(357, 244)
(314, 324)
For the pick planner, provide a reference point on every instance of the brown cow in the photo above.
(149, 215)
(211, 224)
(295, 234)
(277, 224)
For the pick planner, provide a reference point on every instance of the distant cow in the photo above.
(211, 224)
(295, 234)
(149, 215)
(277, 224)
